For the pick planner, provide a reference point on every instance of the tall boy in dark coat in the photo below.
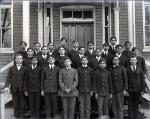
(136, 85)
(102, 88)
(16, 79)
(120, 85)
(49, 85)
(85, 88)
(34, 87)
(112, 46)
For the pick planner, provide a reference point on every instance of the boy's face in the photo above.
(113, 41)
(102, 65)
(51, 46)
(67, 63)
(115, 60)
(84, 61)
(119, 50)
(63, 42)
(75, 44)
(19, 59)
(34, 61)
(37, 46)
(136, 52)
(133, 61)
(98, 52)
(30, 52)
(51, 60)
(62, 51)
(23, 46)
(44, 50)
(82, 51)
(106, 48)
(90, 46)
(128, 46)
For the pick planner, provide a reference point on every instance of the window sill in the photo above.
(6, 50)
(146, 50)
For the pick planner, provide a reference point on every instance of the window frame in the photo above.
(8, 50)
(146, 48)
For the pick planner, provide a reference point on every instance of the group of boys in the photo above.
(110, 73)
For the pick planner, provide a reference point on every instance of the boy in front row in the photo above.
(68, 81)
(16, 78)
(85, 88)
(102, 88)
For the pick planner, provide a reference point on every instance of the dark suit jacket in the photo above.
(89, 55)
(49, 80)
(16, 79)
(136, 81)
(109, 58)
(59, 61)
(93, 63)
(73, 54)
(127, 54)
(124, 61)
(68, 79)
(141, 63)
(37, 54)
(76, 62)
(102, 82)
(85, 80)
(34, 79)
(42, 62)
(56, 52)
(27, 62)
(113, 52)
(119, 79)
(23, 53)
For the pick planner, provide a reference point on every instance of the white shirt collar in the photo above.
(19, 66)
(51, 66)
(68, 68)
(84, 65)
(33, 67)
(118, 55)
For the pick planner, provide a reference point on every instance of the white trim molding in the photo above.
(131, 23)
(26, 22)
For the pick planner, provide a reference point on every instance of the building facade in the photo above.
(83, 21)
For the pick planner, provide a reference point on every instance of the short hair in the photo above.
(74, 41)
(63, 38)
(106, 45)
(18, 54)
(51, 56)
(37, 43)
(135, 48)
(23, 42)
(85, 57)
(30, 49)
(115, 56)
(132, 56)
(61, 47)
(34, 57)
(127, 42)
(81, 48)
(67, 58)
(43, 47)
(98, 49)
(119, 45)
(90, 42)
(50, 43)
(102, 60)
(113, 37)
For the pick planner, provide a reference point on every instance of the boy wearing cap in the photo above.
(49, 85)
(68, 81)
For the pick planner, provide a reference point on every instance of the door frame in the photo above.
(79, 7)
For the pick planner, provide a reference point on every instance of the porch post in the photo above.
(131, 22)
(26, 22)
(116, 20)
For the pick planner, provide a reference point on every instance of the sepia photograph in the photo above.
(74, 59)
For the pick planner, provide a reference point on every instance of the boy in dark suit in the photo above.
(34, 87)
(16, 79)
(102, 88)
(22, 51)
(112, 46)
(76, 62)
(120, 85)
(107, 55)
(127, 52)
(49, 85)
(136, 85)
(140, 60)
(93, 62)
(37, 47)
(43, 58)
(50, 46)
(123, 60)
(85, 88)
(90, 50)
(68, 81)
(74, 52)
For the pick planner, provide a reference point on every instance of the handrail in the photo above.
(7, 66)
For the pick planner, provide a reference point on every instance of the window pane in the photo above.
(147, 36)
(87, 14)
(6, 17)
(67, 14)
(77, 14)
(147, 15)
(6, 38)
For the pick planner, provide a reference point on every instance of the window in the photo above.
(147, 25)
(5, 28)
